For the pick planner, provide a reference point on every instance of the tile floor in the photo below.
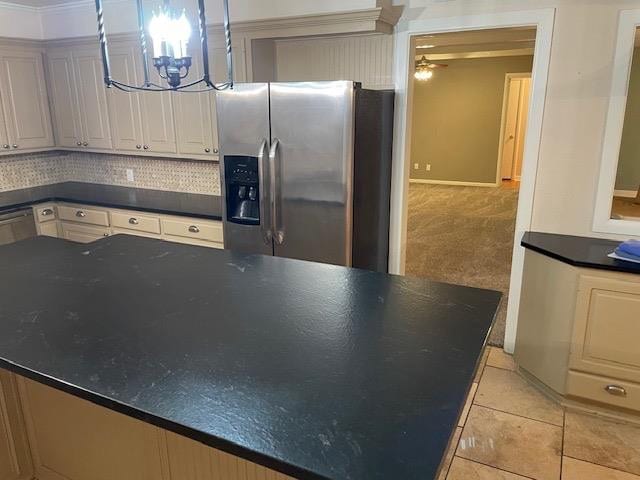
(510, 431)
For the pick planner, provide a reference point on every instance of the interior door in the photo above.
(92, 98)
(312, 134)
(25, 100)
(510, 128)
(62, 88)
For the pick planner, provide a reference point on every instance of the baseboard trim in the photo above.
(450, 182)
(625, 193)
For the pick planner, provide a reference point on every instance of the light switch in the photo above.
(416, 166)
(130, 177)
(428, 167)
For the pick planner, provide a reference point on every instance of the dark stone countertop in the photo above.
(578, 251)
(314, 370)
(142, 199)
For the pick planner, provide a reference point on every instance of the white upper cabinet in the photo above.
(139, 120)
(62, 91)
(27, 121)
(92, 98)
(4, 137)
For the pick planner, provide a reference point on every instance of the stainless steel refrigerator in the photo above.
(306, 171)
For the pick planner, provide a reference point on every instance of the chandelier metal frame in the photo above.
(147, 85)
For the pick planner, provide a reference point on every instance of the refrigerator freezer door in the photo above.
(312, 129)
(243, 131)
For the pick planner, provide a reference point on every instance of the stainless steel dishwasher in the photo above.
(16, 225)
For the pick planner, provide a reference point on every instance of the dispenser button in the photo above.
(252, 193)
(242, 192)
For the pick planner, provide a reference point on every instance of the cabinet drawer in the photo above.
(133, 221)
(45, 214)
(199, 230)
(83, 233)
(604, 390)
(607, 328)
(84, 215)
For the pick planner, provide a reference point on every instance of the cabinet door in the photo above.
(92, 98)
(15, 462)
(157, 117)
(193, 116)
(73, 439)
(607, 327)
(4, 138)
(26, 108)
(124, 107)
(82, 233)
(62, 91)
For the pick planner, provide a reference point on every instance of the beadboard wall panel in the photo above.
(363, 58)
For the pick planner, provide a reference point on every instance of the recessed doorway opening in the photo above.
(468, 115)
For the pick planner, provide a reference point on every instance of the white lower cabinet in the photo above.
(15, 457)
(80, 223)
(82, 233)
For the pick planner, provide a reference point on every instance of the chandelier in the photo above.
(170, 31)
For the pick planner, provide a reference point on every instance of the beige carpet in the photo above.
(463, 235)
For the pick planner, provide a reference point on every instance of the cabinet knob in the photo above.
(133, 221)
(194, 229)
(105, 234)
(215, 150)
(80, 214)
(616, 390)
(15, 145)
(6, 145)
(46, 212)
(79, 144)
(146, 147)
(207, 150)
(138, 147)
(85, 144)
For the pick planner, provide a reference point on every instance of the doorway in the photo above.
(469, 114)
(515, 108)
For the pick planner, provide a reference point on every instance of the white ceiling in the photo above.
(40, 3)
(459, 44)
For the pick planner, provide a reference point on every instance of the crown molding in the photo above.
(18, 7)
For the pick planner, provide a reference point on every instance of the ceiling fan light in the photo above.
(423, 75)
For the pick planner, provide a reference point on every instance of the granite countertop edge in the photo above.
(578, 251)
(210, 207)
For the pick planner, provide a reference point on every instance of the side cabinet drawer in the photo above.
(133, 221)
(45, 213)
(84, 215)
(607, 327)
(199, 230)
(618, 393)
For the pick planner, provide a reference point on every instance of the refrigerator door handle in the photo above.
(277, 232)
(264, 197)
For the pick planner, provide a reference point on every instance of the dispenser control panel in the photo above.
(242, 188)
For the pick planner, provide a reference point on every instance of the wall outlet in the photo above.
(428, 167)
(130, 177)
(416, 166)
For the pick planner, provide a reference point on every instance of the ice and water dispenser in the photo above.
(242, 189)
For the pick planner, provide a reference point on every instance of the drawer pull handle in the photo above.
(194, 229)
(85, 144)
(133, 221)
(47, 211)
(80, 214)
(616, 390)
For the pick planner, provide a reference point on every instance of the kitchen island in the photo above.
(315, 371)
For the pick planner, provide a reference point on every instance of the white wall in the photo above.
(78, 18)
(577, 97)
(363, 58)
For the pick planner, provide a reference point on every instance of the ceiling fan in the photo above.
(424, 68)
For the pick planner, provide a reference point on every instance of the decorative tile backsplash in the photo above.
(29, 170)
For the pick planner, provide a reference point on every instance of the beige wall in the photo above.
(628, 177)
(576, 103)
(457, 117)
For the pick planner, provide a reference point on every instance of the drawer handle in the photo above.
(133, 221)
(46, 212)
(194, 229)
(616, 390)
(80, 214)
